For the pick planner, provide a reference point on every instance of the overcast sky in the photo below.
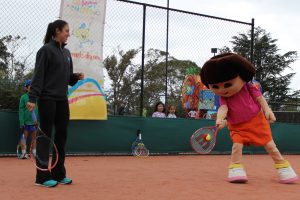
(280, 18)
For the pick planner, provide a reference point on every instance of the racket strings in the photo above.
(199, 140)
(19, 151)
(140, 150)
(44, 161)
(134, 144)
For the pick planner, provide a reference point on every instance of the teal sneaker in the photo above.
(49, 183)
(65, 181)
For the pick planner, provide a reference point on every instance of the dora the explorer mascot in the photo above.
(245, 110)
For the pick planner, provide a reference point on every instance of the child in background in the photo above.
(192, 114)
(171, 111)
(26, 124)
(159, 110)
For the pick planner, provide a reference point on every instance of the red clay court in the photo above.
(153, 178)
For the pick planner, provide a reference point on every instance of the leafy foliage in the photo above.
(126, 79)
(12, 72)
(270, 65)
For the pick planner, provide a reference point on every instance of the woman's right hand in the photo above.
(30, 106)
(80, 76)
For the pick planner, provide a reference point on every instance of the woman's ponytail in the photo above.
(51, 29)
(49, 33)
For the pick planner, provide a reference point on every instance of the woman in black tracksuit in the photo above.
(52, 74)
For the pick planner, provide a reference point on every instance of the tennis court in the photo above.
(155, 177)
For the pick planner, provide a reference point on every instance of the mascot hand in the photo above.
(221, 123)
(270, 115)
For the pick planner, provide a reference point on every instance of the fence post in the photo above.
(167, 55)
(143, 61)
(252, 41)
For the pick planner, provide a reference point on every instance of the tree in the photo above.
(155, 79)
(270, 65)
(12, 71)
(124, 76)
(126, 79)
(4, 55)
(16, 67)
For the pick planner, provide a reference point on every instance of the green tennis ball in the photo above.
(207, 138)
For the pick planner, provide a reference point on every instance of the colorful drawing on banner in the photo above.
(87, 100)
(207, 100)
(82, 33)
(84, 7)
(190, 92)
(86, 21)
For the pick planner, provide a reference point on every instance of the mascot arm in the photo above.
(221, 122)
(266, 109)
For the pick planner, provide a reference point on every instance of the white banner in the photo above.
(86, 22)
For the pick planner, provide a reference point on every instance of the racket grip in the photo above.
(22, 139)
(33, 115)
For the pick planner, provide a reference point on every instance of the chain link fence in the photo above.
(285, 107)
(287, 112)
(23, 26)
(164, 48)
(169, 46)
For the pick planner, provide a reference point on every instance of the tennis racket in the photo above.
(138, 147)
(44, 161)
(21, 145)
(203, 140)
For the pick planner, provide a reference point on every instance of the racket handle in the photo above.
(22, 139)
(33, 115)
(139, 134)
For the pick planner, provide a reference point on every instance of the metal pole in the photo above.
(167, 55)
(252, 42)
(143, 64)
(115, 100)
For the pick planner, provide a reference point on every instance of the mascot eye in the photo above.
(227, 85)
(215, 87)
